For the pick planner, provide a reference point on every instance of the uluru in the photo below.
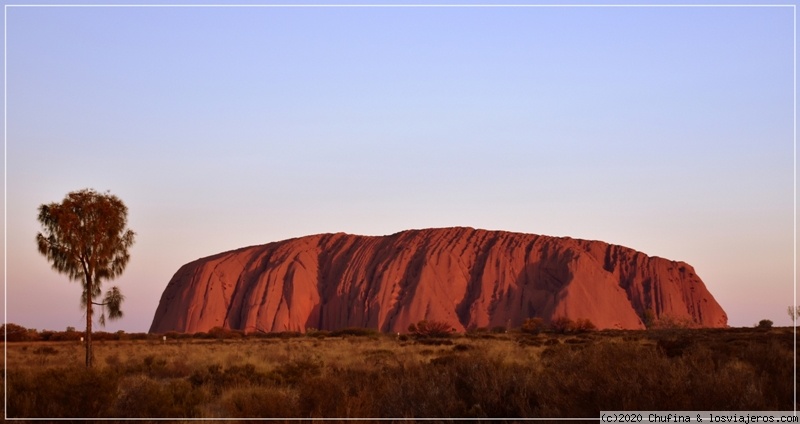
(467, 277)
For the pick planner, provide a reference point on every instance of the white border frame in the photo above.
(370, 6)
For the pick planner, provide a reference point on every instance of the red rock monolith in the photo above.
(466, 277)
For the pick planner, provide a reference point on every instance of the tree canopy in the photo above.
(86, 238)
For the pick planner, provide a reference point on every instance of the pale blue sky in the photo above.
(667, 130)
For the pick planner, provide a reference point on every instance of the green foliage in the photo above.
(112, 302)
(86, 238)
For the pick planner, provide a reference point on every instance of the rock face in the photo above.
(466, 277)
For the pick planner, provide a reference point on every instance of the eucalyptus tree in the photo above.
(86, 237)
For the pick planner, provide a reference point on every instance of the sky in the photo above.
(669, 130)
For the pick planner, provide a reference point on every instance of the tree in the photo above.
(765, 324)
(794, 313)
(85, 237)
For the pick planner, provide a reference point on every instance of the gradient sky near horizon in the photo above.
(667, 130)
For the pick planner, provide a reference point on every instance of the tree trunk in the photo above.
(88, 322)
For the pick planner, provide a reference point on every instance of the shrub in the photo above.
(319, 334)
(61, 392)
(426, 328)
(562, 325)
(277, 335)
(533, 325)
(101, 336)
(18, 333)
(215, 378)
(584, 325)
(572, 376)
(61, 336)
(142, 397)
(674, 347)
(260, 402)
(172, 335)
(45, 350)
(668, 322)
(142, 336)
(297, 370)
(221, 333)
(765, 324)
(354, 331)
(434, 341)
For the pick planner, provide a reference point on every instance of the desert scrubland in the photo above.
(361, 373)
